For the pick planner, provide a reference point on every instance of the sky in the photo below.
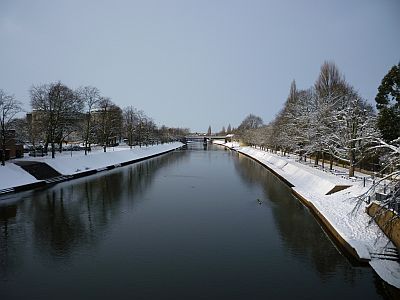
(197, 63)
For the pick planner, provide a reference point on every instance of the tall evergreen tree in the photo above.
(209, 130)
(229, 129)
(388, 104)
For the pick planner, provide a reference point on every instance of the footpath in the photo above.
(332, 200)
(28, 173)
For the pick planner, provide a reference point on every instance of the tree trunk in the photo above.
(316, 159)
(3, 155)
(87, 133)
(53, 150)
(351, 164)
(351, 170)
(331, 163)
(3, 146)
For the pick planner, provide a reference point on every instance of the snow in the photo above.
(12, 175)
(354, 227)
(229, 144)
(388, 270)
(310, 183)
(100, 160)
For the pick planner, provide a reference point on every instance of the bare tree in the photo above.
(330, 90)
(250, 122)
(9, 108)
(109, 122)
(164, 134)
(149, 130)
(57, 107)
(354, 126)
(91, 98)
(246, 128)
(131, 123)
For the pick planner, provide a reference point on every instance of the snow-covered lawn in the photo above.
(12, 175)
(338, 208)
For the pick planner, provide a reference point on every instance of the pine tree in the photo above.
(388, 104)
(209, 130)
(229, 129)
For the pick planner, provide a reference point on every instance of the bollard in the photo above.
(364, 181)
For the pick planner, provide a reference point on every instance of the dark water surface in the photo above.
(186, 225)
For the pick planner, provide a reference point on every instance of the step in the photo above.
(58, 179)
(5, 191)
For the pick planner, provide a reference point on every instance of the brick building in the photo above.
(14, 149)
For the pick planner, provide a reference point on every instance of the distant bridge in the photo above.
(207, 137)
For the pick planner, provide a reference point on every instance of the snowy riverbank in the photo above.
(68, 164)
(335, 210)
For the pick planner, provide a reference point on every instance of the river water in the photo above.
(191, 224)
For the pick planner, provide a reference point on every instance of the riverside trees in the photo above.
(9, 108)
(328, 120)
(109, 121)
(331, 120)
(58, 107)
(388, 105)
(84, 115)
(90, 97)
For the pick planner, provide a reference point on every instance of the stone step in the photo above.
(5, 191)
(57, 179)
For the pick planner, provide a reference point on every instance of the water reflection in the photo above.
(186, 225)
(57, 221)
(303, 237)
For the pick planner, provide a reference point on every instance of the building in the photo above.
(14, 149)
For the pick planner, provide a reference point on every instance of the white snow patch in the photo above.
(388, 270)
(100, 160)
(12, 175)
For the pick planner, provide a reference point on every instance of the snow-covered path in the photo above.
(312, 185)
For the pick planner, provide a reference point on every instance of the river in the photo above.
(191, 224)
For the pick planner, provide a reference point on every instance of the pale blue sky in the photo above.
(196, 63)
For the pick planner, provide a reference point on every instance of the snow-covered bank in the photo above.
(100, 160)
(12, 176)
(229, 144)
(335, 209)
